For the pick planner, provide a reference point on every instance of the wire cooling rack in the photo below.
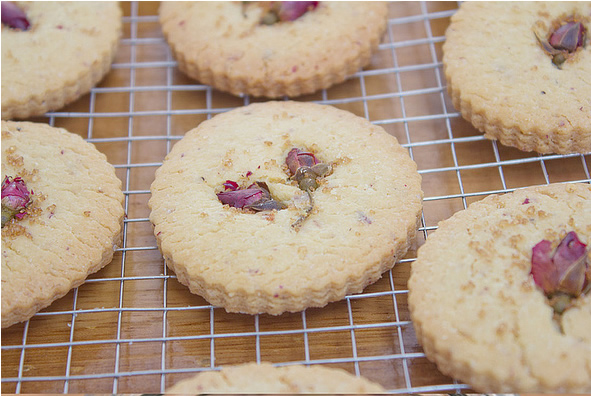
(132, 328)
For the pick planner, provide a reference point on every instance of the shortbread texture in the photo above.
(223, 44)
(67, 50)
(505, 84)
(266, 378)
(364, 218)
(476, 309)
(74, 221)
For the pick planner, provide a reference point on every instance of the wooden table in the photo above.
(132, 328)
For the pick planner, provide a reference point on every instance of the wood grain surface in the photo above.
(132, 328)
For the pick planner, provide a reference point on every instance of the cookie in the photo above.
(233, 46)
(67, 220)
(66, 50)
(477, 303)
(513, 73)
(266, 378)
(241, 225)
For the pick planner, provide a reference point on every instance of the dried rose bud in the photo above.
(256, 197)
(281, 11)
(297, 158)
(569, 36)
(562, 271)
(563, 41)
(571, 261)
(306, 169)
(292, 10)
(13, 16)
(15, 198)
(241, 198)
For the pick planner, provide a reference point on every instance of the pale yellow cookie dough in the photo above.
(506, 85)
(476, 309)
(74, 221)
(364, 219)
(67, 50)
(266, 378)
(224, 45)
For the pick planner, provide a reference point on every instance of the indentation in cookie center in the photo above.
(256, 197)
(565, 37)
(301, 166)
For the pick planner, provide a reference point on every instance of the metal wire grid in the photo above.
(399, 325)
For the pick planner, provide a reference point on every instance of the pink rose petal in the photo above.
(297, 158)
(292, 10)
(563, 270)
(13, 16)
(568, 37)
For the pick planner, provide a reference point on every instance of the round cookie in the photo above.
(266, 378)
(476, 309)
(225, 44)
(508, 86)
(312, 248)
(72, 223)
(67, 50)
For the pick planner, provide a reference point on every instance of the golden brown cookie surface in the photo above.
(66, 51)
(506, 84)
(476, 308)
(318, 248)
(266, 378)
(225, 44)
(72, 224)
